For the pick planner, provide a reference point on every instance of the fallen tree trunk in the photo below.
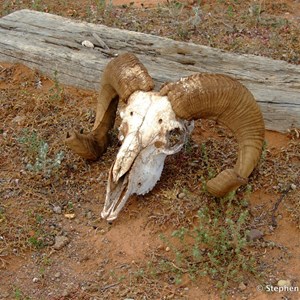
(53, 45)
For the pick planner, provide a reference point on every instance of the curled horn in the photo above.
(225, 100)
(121, 77)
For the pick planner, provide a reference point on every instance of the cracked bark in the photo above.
(52, 44)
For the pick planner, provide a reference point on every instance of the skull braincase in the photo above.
(149, 132)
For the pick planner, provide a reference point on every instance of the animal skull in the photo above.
(149, 132)
(156, 124)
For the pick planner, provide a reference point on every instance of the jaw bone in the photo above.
(147, 123)
(140, 179)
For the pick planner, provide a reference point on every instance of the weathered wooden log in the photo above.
(53, 44)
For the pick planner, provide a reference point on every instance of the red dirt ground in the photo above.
(103, 261)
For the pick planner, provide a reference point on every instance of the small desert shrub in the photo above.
(37, 151)
(216, 247)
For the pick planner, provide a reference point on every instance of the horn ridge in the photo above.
(227, 101)
(121, 77)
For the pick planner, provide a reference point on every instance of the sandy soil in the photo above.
(138, 3)
(129, 259)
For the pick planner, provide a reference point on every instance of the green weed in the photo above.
(101, 4)
(211, 172)
(36, 241)
(230, 11)
(56, 93)
(30, 141)
(37, 150)
(37, 5)
(216, 246)
(175, 8)
(18, 295)
(37, 234)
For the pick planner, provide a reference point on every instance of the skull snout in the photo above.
(128, 152)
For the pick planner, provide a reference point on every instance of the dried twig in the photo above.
(285, 192)
(3, 262)
(100, 41)
(108, 286)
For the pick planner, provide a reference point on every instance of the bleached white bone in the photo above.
(148, 122)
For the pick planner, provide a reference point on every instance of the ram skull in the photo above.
(149, 132)
(155, 125)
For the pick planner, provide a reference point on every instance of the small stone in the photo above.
(254, 234)
(60, 242)
(89, 215)
(70, 216)
(293, 186)
(35, 280)
(181, 195)
(242, 286)
(282, 283)
(57, 275)
(56, 209)
(19, 119)
(87, 44)
(168, 249)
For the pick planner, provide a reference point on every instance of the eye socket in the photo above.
(160, 121)
(174, 137)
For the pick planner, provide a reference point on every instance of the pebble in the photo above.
(60, 242)
(87, 44)
(70, 216)
(242, 286)
(57, 275)
(89, 215)
(19, 119)
(56, 209)
(282, 283)
(168, 249)
(293, 186)
(35, 280)
(181, 195)
(254, 234)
